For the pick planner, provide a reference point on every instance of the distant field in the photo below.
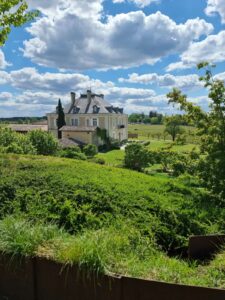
(157, 132)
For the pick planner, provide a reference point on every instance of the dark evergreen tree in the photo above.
(61, 118)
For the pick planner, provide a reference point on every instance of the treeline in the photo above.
(22, 120)
(154, 118)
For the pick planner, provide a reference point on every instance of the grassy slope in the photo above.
(119, 218)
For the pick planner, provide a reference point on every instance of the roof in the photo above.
(27, 128)
(91, 103)
(66, 143)
(78, 129)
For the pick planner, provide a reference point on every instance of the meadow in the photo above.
(107, 219)
(154, 134)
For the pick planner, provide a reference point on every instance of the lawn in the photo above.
(149, 132)
(113, 158)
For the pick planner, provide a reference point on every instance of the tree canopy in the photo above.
(61, 118)
(13, 13)
(211, 128)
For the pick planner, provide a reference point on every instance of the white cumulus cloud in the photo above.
(216, 6)
(139, 3)
(3, 62)
(211, 49)
(167, 80)
(70, 41)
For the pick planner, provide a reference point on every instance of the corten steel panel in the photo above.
(56, 283)
(16, 279)
(137, 289)
(203, 247)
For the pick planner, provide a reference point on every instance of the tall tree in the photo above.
(211, 128)
(61, 118)
(13, 13)
(173, 127)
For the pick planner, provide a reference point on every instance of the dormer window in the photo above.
(95, 109)
(76, 110)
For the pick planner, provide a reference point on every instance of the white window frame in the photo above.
(96, 122)
(75, 122)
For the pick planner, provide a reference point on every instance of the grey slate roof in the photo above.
(67, 143)
(27, 128)
(98, 105)
(78, 129)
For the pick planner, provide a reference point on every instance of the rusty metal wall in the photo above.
(203, 247)
(39, 279)
(16, 278)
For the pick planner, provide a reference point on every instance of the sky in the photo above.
(132, 51)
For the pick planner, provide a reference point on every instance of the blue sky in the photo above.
(133, 51)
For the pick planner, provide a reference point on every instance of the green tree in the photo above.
(173, 127)
(211, 128)
(13, 13)
(136, 157)
(43, 142)
(7, 137)
(61, 118)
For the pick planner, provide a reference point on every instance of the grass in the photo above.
(114, 250)
(156, 132)
(106, 219)
(113, 158)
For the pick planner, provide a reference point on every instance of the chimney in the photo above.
(89, 96)
(73, 97)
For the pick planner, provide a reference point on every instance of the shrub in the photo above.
(73, 152)
(136, 157)
(99, 160)
(7, 136)
(90, 150)
(146, 143)
(45, 143)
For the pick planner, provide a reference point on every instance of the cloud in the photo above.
(3, 62)
(56, 8)
(70, 42)
(30, 79)
(168, 80)
(211, 49)
(214, 7)
(139, 3)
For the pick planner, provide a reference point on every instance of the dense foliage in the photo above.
(36, 142)
(173, 126)
(60, 118)
(211, 127)
(152, 118)
(79, 195)
(13, 13)
(44, 142)
(136, 157)
(90, 150)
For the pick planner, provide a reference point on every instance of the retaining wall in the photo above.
(40, 279)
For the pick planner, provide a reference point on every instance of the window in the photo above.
(95, 122)
(75, 122)
(88, 122)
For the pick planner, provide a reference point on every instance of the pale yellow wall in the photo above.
(108, 121)
(84, 137)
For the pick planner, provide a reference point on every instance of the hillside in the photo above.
(132, 217)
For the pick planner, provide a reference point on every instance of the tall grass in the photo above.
(117, 249)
